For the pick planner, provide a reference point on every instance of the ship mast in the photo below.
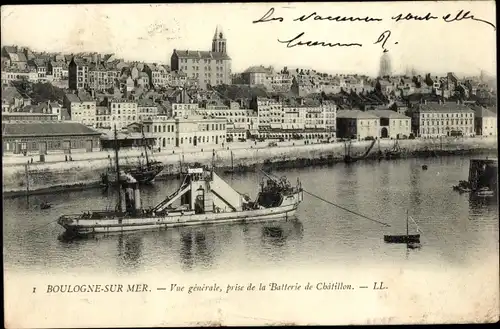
(407, 232)
(117, 164)
(145, 145)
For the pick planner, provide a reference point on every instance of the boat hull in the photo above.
(412, 238)
(84, 226)
(142, 176)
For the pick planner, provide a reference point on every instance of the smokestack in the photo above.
(137, 197)
(129, 199)
(124, 202)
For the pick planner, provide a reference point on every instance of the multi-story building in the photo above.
(199, 131)
(78, 74)
(280, 81)
(16, 57)
(103, 118)
(307, 119)
(330, 119)
(443, 119)
(163, 128)
(102, 77)
(11, 99)
(14, 74)
(146, 109)
(157, 75)
(179, 79)
(190, 130)
(180, 110)
(56, 69)
(256, 75)
(41, 68)
(266, 76)
(81, 108)
(143, 79)
(485, 121)
(269, 114)
(56, 109)
(392, 124)
(206, 67)
(356, 124)
(123, 112)
(240, 123)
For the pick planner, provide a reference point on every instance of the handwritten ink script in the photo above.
(383, 39)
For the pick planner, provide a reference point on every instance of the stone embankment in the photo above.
(84, 171)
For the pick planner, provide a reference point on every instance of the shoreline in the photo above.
(266, 165)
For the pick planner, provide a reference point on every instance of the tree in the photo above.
(39, 92)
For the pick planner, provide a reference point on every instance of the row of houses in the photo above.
(191, 126)
(427, 120)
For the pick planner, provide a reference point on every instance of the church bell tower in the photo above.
(219, 41)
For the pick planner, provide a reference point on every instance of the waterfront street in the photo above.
(19, 159)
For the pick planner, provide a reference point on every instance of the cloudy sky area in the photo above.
(150, 33)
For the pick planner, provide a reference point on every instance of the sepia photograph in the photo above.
(249, 164)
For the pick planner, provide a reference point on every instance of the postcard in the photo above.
(249, 164)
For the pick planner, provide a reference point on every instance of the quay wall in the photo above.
(20, 179)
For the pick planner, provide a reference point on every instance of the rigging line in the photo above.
(39, 227)
(333, 204)
(352, 212)
(418, 228)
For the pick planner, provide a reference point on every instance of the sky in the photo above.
(151, 32)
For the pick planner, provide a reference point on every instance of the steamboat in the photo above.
(202, 198)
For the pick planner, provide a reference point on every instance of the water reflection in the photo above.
(195, 247)
(129, 250)
(479, 205)
(455, 227)
(277, 234)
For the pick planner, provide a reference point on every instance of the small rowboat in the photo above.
(407, 238)
(402, 238)
(45, 205)
(485, 192)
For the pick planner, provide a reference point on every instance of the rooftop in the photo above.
(445, 107)
(483, 112)
(200, 54)
(257, 69)
(145, 102)
(9, 93)
(355, 114)
(40, 108)
(65, 114)
(85, 97)
(388, 114)
(72, 98)
(46, 129)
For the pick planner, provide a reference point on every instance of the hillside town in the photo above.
(59, 103)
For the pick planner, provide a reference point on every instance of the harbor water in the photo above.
(456, 231)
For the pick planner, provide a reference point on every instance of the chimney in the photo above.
(137, 197)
